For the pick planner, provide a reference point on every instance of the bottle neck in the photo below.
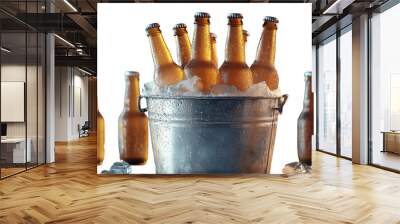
(161, 54)
(235, 45)
(132, 94)
(267, 45)
(214, 57)
(308, 95)
(202, 42)
(245, 36)
(184, 48)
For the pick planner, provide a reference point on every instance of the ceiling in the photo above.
(73, 21)
(332, 15)
(16, 42)
(76, 22)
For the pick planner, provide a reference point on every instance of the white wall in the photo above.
(16, 73)
(81, 84)
(61, 103)
(71, 102)
(33, 127)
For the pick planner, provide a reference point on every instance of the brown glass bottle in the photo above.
(245, 36)
(100, 138)
(305, 123)
(166, 71)
(263, 67)
(234, 70)
(133, 125)
(214, 56)
(201, 65)
(184, 48)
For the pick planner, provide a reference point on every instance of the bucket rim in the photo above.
(212, 97)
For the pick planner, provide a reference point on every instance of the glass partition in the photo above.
(41, 107)
(327, 96)
(31, 86)
(22, 77)
(32, 95)
(346, 93)
(14, 153)
(385, 89)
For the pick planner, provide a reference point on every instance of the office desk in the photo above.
(391, 141)
(13, 150)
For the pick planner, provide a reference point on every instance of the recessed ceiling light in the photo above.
(64, 40)
(5, 50)
(84, 71)
(70, 5)
(337, 7)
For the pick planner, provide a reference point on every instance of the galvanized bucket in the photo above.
(203, 135)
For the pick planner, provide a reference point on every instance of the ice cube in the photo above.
(191, 85)
(295, 168)
(224, 90)
(276, 93)
(259, 89)
(120, 168)
(150, 88)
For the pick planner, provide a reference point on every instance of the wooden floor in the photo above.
(10, 171)
(5, 172)
(69, 191)
(387, 159)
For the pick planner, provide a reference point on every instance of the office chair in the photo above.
(84, 130)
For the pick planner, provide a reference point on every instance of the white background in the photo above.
(123, 45)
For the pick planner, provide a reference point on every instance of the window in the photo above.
(346, 93)
(327, 96)
(385, 89)
(22, 77)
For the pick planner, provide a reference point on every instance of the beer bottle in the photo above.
(201, 65)
(100, 138)
(184, 49)
(263, 67)
(305, 123)
(166, 72)
(214, 57)
(234, 70)
(132, 125)
(245, 36)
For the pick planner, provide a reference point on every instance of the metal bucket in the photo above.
(201, 135)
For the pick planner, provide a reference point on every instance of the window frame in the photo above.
(381, 9)
(31, 30)
(334, 37)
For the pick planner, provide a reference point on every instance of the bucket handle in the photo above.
(139, 105)
(282, 102)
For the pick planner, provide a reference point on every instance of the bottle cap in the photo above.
(307, 73)
(131, 73)
(179, 25)
(235, 16)
(245, 32)
(271, 19)
(213, 35)
(152, 25)
(201, 15)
